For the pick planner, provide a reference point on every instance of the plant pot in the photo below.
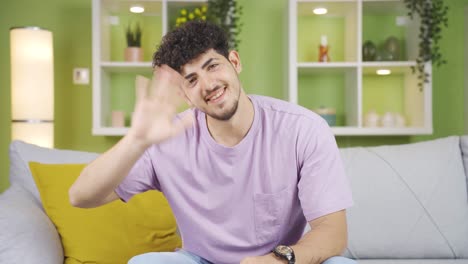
(369, 51)
(133, 54)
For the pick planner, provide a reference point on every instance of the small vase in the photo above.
(392, 48)
(133, 54)
(327, 113)
(118, 118)
(388, 120)
(371, 119)
(369, 51)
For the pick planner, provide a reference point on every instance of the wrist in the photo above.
(274, 259)
(284, 253)
(136, 142)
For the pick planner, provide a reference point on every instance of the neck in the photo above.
(231, 132)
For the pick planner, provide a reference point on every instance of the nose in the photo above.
(208, 83)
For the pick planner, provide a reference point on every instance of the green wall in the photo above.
(263, 53)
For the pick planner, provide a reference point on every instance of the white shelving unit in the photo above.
(113, 78)
(348, 83)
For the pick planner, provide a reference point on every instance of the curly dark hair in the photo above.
(188, 41)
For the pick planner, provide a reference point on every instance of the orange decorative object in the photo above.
(323, 50)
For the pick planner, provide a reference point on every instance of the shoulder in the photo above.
(286, 112)
(182, 139)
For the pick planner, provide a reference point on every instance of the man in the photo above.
(243, 174)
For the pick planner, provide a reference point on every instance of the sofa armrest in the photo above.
(26, 233)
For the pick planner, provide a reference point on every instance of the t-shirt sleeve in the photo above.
(323, 185)
(141, 178)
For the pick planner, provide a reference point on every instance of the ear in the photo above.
(234, 58)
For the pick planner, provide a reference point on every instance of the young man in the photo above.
(243, 174)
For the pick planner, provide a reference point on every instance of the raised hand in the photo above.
(153, 119)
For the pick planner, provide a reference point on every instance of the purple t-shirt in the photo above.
(234, 202)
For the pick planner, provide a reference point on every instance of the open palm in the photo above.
(153, 119)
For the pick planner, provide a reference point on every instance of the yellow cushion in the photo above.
(112, 233)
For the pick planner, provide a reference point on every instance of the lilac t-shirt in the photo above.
(234, 202)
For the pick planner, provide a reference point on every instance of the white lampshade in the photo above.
(32, 85)
(40, 134)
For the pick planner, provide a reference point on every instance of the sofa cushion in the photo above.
(112, 233)
(410, 201)
(21, 153)
(27, 234)
(464, 149)
(413, 261)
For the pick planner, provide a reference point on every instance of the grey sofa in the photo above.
(411, 204)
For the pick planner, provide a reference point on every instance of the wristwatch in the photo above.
(286, 253)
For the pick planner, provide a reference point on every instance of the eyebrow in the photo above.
(188, 76)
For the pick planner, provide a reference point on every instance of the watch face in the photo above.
(283, 250)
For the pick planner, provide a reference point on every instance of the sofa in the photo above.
(410, 204)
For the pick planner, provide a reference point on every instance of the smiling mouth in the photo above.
(218, 94)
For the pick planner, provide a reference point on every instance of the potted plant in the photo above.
(185, 15)
(133, 52)
(433, 16)
(225, 13)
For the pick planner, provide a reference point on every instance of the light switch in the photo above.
(114, 20)
(401, 21)
(80, 76)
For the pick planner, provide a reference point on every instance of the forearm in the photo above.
(318, 245)
(99, 179)
(314, 248)
(327, 238)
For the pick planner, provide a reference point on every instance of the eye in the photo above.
(213, 66)
(192, 81)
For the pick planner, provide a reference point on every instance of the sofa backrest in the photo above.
(21, 153)
(464, 150)
(410, 201)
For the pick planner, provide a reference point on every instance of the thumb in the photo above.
(184, 123)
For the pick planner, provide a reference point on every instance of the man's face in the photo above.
(212, 83)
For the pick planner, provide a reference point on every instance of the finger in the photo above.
(167, 85)
(141, 87)
(184, 97)
(162, 82)
(153, 85)
(176, 96)
(185, 122)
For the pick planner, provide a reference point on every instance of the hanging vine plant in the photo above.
(226, 14)
(433, 17)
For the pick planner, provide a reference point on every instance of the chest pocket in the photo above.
(270, 214)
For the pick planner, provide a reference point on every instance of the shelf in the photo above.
(387, 19)
(331, 88)
(339, 25)
(326, 64)
(117, 7)
(346, 83)
(349, 84)
(383, 7)
(388, 63)
(135, 67)
(319, 67)
(395, 69)
(111, 19)
(110, 131)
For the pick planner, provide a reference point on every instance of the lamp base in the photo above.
(41, 134)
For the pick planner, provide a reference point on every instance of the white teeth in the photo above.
(218, 94)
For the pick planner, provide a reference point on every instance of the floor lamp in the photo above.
(32, 85)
